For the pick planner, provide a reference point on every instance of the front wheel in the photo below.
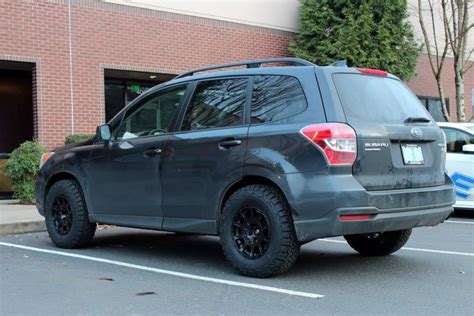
(378, 244)
(66, 215)
(257, 232)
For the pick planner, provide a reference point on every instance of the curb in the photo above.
(22, 227)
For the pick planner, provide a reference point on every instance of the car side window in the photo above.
(455, 140)
(152, 115)
(275, 98)
(216, 103)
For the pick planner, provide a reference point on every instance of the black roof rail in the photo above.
(250, 64)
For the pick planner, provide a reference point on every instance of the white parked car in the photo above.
(460, 161)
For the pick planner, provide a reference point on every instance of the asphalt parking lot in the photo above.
(129, 271)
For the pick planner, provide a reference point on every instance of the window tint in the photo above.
(456, 139)
(216, 103)
(152, 116)
(276, 97)
(369, 99)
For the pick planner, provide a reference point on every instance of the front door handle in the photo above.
(227, 144)
(152, 152)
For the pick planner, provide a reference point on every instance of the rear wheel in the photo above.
(378, 244)
(257, 232)
(66, 215)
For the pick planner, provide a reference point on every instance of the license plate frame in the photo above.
(412, 154)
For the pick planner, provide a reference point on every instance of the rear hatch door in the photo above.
(399, 144)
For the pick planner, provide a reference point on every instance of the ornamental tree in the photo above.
(366, 33)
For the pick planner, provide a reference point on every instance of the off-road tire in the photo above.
(81, 231)
(384, 244)
(283, 246)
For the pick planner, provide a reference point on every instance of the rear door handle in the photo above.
(227, 144)
(152, 152)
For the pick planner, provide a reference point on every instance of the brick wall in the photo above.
(424, 84)
(103, 35)
(113, 36)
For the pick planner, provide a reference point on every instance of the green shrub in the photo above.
(77, 138)
(22, 167)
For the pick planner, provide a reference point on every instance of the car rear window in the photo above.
(368, 99)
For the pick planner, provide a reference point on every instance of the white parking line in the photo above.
(414, 249)
(168, 272)
(459, 222)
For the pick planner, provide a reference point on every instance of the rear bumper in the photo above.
(318, 200)
(380, 221)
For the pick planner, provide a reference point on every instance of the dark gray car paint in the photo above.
(196, 173)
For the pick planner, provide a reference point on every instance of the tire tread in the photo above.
(288, 244)
(392, 242)
(83, 230)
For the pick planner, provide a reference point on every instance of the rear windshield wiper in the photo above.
(417, 120)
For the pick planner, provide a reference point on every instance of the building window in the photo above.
(433, 105)
(123, 86)
(119, 93)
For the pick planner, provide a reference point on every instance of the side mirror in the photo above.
(103, 132)
(468, 149)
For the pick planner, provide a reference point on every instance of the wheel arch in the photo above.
(63, 175)
(244, 181)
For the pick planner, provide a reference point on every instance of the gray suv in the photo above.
(267, 158)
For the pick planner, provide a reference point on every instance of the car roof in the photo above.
(288, 70)
(466, 127)
(281, 70)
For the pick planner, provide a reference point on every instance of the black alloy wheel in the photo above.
(251, 233)
(62, 215)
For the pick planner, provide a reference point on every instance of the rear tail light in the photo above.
(336, 140)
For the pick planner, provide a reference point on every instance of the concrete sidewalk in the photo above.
(16, 218)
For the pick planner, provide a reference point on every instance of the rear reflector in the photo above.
(375, 72)
(355, 217)
(336, 140)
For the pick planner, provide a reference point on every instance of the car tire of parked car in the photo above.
(66, 215)
(378, 244)
(257, 232)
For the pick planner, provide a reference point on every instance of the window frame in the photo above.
(117, 121)
(284, 117)
(193, 85)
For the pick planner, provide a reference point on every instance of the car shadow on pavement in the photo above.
(346, 264)
(166, 247)
(316, 259)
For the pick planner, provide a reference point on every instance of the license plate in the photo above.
(412, 155)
